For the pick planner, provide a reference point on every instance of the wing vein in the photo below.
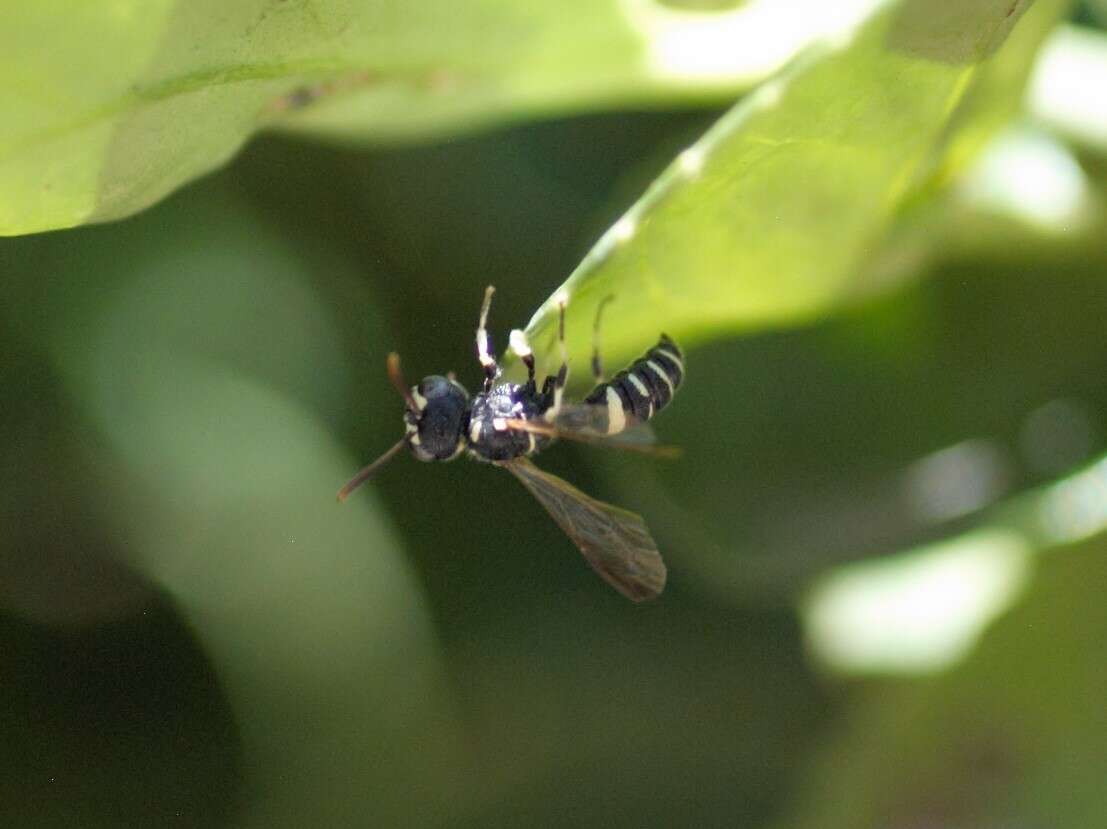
(614, 541)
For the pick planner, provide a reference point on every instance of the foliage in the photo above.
(894, 351)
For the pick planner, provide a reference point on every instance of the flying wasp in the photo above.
(506, 423)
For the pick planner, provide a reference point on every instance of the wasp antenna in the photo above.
(486, 304)
(367, 472)
(397, 378)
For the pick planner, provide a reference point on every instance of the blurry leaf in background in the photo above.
(919, 611)
(181, 385)
(198, 358)
(308, 609)
(771, 217)
(1068, 93)
(1012, 737)
(83, 139)
(1032, 178)
(922, 610)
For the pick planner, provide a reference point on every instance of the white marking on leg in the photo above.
(499, 424)
(551, 413)
(530, 442)
(420, 401)
(660, 372)
(482, 349)
(474, 432)
(519, 343)
(555, 409)
(616, 418)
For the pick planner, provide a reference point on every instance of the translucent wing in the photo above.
(586, 423)
(592, 419)
(614, 541)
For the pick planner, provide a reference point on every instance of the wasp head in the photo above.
(438, 419)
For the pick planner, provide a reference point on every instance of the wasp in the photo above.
(507, 423)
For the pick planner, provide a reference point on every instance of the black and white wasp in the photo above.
(506, 423)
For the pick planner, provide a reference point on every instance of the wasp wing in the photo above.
(614, 541)
(584, 423)
(593, 418)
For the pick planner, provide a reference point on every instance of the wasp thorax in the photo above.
(434, 430)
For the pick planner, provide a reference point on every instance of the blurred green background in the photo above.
(885, 536)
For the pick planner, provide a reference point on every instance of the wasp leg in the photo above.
(597, 360)
(484, 346)
(521, 347)
(563, 372)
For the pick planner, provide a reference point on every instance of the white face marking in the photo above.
(616, 419)
(664, 352)
(519, 343)
(420, 401)
(474, 432)
(660, 372)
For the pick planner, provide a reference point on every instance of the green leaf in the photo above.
(1013, 737)
(107, 107)
(774, 215)
(220, 466)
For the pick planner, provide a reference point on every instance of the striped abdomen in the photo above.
(637, 393)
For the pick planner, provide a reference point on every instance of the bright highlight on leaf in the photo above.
(755, 38)
(108, 107)
(918, 612)
(1032, 178)
(1075, 508)
(772, 216)
(1068, 91)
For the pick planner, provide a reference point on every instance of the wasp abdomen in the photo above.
(644, 388)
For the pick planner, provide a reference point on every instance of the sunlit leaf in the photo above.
(107, 107)
(772, 216)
